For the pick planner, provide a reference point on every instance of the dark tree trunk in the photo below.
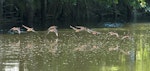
(29, 13)
(43, 13)
(1, 10)
(134, 15)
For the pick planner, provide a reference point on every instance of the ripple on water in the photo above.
(74, 50)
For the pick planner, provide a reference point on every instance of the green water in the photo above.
(81, 51)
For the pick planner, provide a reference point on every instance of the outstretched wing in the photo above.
(73, 28)
(52, 29)
(25, 26)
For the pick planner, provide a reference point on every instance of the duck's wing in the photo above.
(56, 32)
(52, 27)
(25, 27)
(33, 30)
(79, 26)
(29, 29)
(73, 28)
(16, 29)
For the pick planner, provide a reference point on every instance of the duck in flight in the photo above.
(53, 29)
(115, 34)
(78, 28)
(126, 36)
(16, 29)
(93, 32)
(29, 29)
(81, 28)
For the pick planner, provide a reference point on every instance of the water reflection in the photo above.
(76, 51)
(11, 66)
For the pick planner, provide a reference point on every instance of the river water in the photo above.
(82, 51)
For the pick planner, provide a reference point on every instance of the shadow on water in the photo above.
(73, 51)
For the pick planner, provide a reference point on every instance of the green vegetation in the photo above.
(42, 13)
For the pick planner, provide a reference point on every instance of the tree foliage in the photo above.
(43, 12)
